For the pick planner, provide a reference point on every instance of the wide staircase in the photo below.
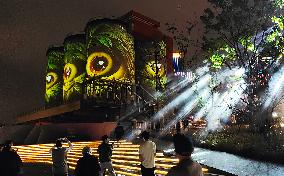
(125, 157)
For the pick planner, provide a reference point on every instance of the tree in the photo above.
(246, 34)
(184, 40)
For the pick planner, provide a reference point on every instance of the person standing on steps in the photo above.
(119, 132)
(88, 165)
(59, 157)
(105, 153)
(147, 154)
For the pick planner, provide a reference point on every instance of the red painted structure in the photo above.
(146, 28)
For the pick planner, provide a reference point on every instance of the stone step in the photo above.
(125, 156)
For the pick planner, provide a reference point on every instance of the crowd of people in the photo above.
(90, 165)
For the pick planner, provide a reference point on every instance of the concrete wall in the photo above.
(46, 133)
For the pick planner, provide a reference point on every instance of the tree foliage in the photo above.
(240, 30)
(246, 34)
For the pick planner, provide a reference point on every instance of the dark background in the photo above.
(29, 27)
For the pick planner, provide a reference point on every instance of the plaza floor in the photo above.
(37, 160)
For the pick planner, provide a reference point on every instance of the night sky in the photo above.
(29, 27)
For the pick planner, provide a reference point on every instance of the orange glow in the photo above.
(125, 157)
(176, 55)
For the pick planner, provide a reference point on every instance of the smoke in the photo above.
(203, 81)
(218, 93)
(275, 88)
(223, 106)
(218, 104)
(188, 107)
(171, 90)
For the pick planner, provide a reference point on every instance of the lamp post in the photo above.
(158, 67)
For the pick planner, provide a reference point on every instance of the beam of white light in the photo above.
(177, 87)
(182, 97)
(202, 70)
(207, 106)
(174, 88)
(225, 105)
(229, 98)
(222, 77)
(259, 37)
(234, 97)
(205, 93)
(275, 88)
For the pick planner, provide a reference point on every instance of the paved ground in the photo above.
(41, 169)
(38, 169)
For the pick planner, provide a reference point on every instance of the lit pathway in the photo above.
(125, 157)
(236, 164)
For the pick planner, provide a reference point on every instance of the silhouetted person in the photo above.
(177, 136)
(88, 165)
(59, 157)
(178, 127)
(186, 166)
(147, 154)
(158, 126)
(119, 132)
(105, 153)
(10, 161)
(185, 124)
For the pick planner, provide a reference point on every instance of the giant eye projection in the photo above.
(69, 73)
(99, 64)
(74, 69)
(111, 53)
(53, 78)
(105, 53)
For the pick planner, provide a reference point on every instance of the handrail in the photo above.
(103, 83)
(140, 97)
(145, 90)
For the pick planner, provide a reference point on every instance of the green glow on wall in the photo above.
(150, 73)
(74, 69)
(147, 54)
(105, 53)
(54, 82)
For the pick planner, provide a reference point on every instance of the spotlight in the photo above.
(274, 114)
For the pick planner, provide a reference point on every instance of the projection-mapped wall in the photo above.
(110, 53)
(74, 72)
(104, 55)
(54, 79)
(151, 65)
(105, 52)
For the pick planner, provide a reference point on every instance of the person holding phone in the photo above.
(59, 157)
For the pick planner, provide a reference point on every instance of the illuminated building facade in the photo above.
(54, 79)
(99, 76)
(111, 54)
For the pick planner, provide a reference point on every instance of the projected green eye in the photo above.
(151, 69)
(70, 72)
(102, 64)
(111, 53)
(99, 64)
(51, 79)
